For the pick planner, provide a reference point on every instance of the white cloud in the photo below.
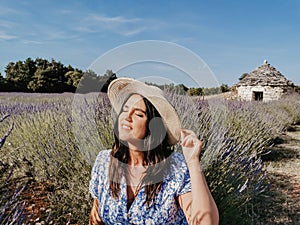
(32, 42)
(112, 20)
(5, 37)
(124, 26)
(7, 24)
(86, 29)
(132, 32)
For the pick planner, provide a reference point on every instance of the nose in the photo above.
(128, 115)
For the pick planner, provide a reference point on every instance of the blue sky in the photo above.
(231, 37)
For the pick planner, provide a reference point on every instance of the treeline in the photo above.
(197, 91)
(209, 91)
(43, 76)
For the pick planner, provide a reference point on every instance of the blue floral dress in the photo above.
(165, 209)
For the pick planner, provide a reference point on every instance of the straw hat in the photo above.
(119, 90)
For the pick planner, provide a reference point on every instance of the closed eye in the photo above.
(139, 115)
(139, 112)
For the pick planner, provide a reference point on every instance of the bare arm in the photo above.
(198, 205)
(94, 215)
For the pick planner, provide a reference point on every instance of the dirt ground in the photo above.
(281, 204)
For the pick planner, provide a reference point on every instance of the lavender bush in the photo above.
(12, 209)
(59, 135)
(235, 135)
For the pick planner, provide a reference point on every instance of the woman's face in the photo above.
(132, 123)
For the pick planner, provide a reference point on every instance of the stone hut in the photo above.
(265, 83)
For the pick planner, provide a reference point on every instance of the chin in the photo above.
(123, 137)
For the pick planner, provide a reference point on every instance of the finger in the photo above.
(189, 141)
(186, 132)
(94, 215)
(198, 143)
(186, 135)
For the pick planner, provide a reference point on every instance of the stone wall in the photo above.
(246, 93)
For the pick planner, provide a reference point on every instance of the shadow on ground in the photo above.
(280, 203)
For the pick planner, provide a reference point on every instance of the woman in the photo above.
(141, 180)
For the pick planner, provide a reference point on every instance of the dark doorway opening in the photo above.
(258, 95)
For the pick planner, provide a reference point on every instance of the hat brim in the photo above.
(119, 90)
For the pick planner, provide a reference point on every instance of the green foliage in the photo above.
(208, 91)
(20, 73)
(52, 77)
(3, 84)
(297, 89)
(211, 91)
(182, 87)
(195, 91)
(72, 79)
(105, 80)
(90, 82)
(43, 76)
(224, 88)
(40, 75)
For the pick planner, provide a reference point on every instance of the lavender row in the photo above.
(59, 135)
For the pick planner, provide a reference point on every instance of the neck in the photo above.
(136, 157)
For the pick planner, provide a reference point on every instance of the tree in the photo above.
(105, 80)
(20, 73)
(41, 75)
(2, 83)
(297, 89)
(224, 88)
(30, 66)
(195, 91)
(88, 83)
(41, 64)
(38, 81)
(11, 74)
(72, 80)
(211, 91)
(49, 77)
(182, 88)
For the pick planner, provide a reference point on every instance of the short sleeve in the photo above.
(99, 172)
(183, 175)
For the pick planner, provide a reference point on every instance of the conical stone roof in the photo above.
(265, 75)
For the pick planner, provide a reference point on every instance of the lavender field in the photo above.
(49, 142)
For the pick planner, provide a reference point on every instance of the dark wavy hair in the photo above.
(156, 151)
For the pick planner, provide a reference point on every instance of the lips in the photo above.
(126, 126)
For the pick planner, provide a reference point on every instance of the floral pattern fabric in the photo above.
(165, 209)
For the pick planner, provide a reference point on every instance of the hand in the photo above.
(191, 145)
(94, 215)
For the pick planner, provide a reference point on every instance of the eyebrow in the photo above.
(136, 109)
(141, 110)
